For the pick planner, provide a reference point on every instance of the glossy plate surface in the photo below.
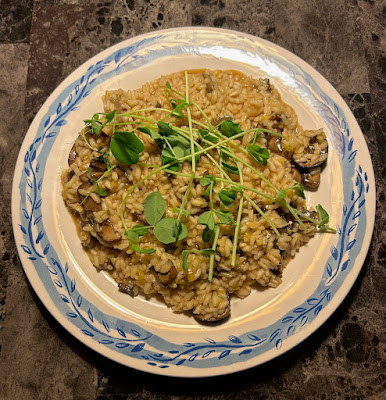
(146, 335)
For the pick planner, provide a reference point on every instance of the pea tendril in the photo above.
(179, 144)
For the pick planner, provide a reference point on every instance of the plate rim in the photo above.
(338, 297)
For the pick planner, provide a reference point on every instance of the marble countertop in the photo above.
(41, 42)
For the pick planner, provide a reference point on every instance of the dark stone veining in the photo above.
(41, 42)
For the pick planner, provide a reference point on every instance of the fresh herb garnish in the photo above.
(229, 128)
(140, 250)
(96, 125)
(324, 218)
(282, 193)
(230, 168)
(179, 144)
(260, 154)
(208, 136)
(207, 218)
(208, 235)
(227, 197)
(153, 133)
(126, 147)
(100, 191)
(184, 212)
(154, 208)
(167, 231)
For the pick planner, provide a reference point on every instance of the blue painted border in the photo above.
(131, 339)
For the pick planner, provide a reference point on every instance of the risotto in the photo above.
(191, 188)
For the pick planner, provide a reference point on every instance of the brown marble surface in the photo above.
(41, 42)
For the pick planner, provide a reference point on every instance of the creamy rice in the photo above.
(261, 254)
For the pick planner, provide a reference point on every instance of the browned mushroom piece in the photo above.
(72, 156)
(223, 313)
(88, 203)
(285, 257)
(70, 174)
(267, 85)
(311, 179)
(107, 232)
(166, 273)
(292, 221)
(99, 166)
(275, 145)
(219, 120)
(90, 177)
(315, 154)
(127, 288)
(296, 175)
(171, 247)
(210, 83)
(275, 117)
(90, 242)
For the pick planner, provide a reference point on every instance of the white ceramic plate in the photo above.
(146, 334)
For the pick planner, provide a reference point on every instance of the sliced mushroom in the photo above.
(90, 243)
(223, 313)
(166, 274)
(291, 219)
(275, 145)
(296, 175)
(127, 288)
(267, 84)
(107, 232)
(171, 247)
(97, 165)
(285, 256)
(72, 156)
(210, 84)
(275, 117)
(88, 203)
(70, 174)
(311, 179)
(315, 154)
(89, 177)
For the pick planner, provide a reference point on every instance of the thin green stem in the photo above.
(262, 213)
(106, 173)
(192, 151)
(212, 256)
(259, 174)
(134, 112)
(239, 213)
(170, 147)
(210, 126)
(86, 141)
(226, 181)
(211, 197)
(293, 211)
